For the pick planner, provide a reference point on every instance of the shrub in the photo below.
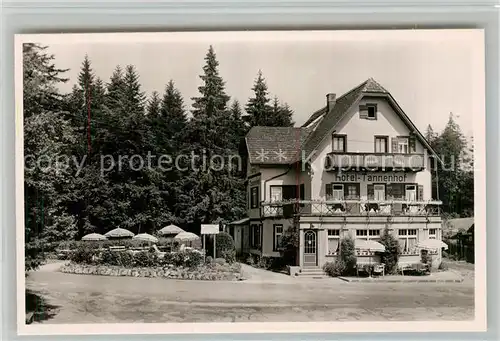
(110, 257)
(290, 245)
(348, 255)
(392, 251)
(224, 247)
(425, 257)
(83, 255)
(193, 258)
(209, 260)
(145, 259)
(126, 259)
(335, 269)
(229, 255)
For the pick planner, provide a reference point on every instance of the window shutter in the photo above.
(388, 191)
(328, 190)
(363, 111)
(413, 144)
(420, 193)
(370, 191)
(302, 192)
(394, 144)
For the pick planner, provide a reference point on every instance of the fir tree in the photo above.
(46, 132)
(258, 109)
(153, 107)
(213, 98)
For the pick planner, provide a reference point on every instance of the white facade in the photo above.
(397, 199)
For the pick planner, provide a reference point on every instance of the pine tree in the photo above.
(211, 192)
(281, 115)
(213, 98)
(237, 125)
(153, 107)
(258, 109)
(46, 134)
(455, 185)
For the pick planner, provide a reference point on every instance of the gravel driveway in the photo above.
(102, 299)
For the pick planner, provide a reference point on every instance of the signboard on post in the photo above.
(210, 229)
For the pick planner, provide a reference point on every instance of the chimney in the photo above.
(330, 101)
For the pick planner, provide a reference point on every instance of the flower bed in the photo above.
(208, 272)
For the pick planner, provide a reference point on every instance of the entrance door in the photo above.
(310, 246)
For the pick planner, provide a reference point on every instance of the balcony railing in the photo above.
(374, 161)
(394, 207)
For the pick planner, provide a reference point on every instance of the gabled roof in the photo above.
(274, 145)
(320, 125)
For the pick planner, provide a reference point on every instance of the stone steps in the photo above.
(311, 273)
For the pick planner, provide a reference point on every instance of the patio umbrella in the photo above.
(170, 229)
(186, 237)
(119, 233)
(432, 244)
(94, 237)
(369, 245)
(146, 237)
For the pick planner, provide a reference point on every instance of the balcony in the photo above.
(374, 161)
(356, 207)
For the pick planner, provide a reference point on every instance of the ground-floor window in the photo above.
(333, 241)
(278, 236)
(408, 241)
(432, 233)
(368, 234)
(255, 236)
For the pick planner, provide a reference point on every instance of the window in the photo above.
(372, 111)
(403, 145)
(278, 237)
(368, 111)
(338, 143)
(352, 191)
(408, 241)
(333, 242)
(368, 234)
(381, 144)
(337, 192)
(255, 236)
(254, 197)
(432, 233)
(276, 193)
(379, 192)
(411, 192)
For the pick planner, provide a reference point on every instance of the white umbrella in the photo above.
(119, 233)
(432, 244)
(186, 236)
(146, 237)
(94, 237)
(369, 245)
(170, 229)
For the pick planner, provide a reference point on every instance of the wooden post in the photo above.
(204, 249)
(215, 255)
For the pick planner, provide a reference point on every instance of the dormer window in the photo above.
(368, 111)
(372, 112)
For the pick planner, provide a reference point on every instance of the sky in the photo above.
(430, 73)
